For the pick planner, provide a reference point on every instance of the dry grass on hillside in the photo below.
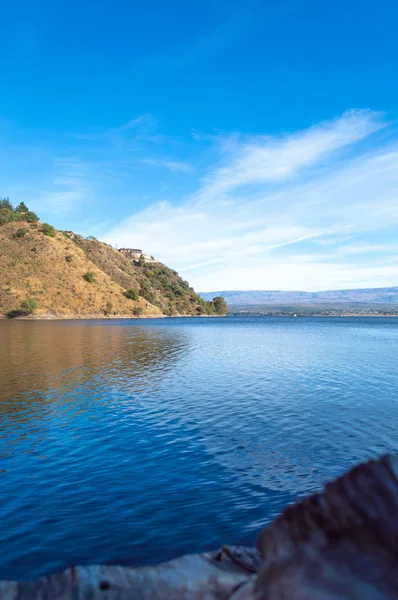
(50, 270)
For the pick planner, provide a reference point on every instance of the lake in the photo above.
(136, 441)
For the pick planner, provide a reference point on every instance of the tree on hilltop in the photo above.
(22, 207)
(5, 203)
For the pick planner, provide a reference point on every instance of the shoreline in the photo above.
(48, 317)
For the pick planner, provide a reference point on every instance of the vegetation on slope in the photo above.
(154, 282)
(21, 213)
(48, 272)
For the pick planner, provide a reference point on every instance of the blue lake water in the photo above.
(133, 442)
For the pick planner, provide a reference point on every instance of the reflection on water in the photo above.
(133, 442)
(50, 370)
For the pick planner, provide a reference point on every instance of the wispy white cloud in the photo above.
(139, 126)
(265, 159)
(250, 219)
(67, 187)
(62, 177)
(312, 209)
(145, 119)
(171, 165)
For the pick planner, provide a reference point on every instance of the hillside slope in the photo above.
(73, 277)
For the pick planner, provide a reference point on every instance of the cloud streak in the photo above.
(68, 187)
(171, 165)
(258, 215)
(265, 159)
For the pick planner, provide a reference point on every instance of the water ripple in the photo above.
(134, 442)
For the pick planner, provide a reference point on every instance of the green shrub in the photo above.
(6, 215)
(48, 230)
(89, 277)
(68, 258)
(28, 306)
(146, 292)
(34, 249)
(108, 308)
(138, 311)
(131, 294)
(20, 233)
(25, 308)
(30, 217)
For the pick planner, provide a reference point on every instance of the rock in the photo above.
(341, 543)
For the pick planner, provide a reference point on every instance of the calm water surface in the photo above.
(132, 442)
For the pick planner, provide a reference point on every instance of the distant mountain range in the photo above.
(354, 300)
(250, 297)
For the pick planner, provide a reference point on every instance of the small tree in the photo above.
(48, 230)
(220, 306)
(5, 203)
(89, 277)
(138, 311)
(22, 208)
(131, 294)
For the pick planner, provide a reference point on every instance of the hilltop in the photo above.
(55, 274)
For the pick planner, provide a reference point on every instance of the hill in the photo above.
(63, 275)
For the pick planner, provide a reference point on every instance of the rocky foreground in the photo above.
(340, 543)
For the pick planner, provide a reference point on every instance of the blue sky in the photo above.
(248, 144)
